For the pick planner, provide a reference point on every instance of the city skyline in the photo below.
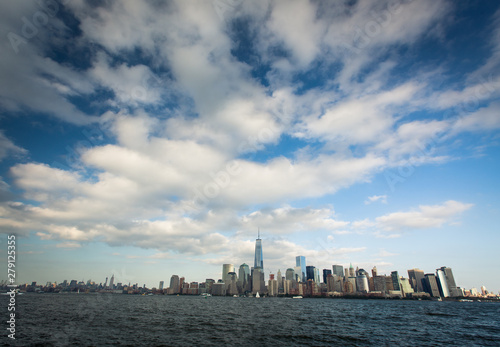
(145, 138)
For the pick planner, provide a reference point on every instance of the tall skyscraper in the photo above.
(310, 272)
(174, 285)
(416, 276)
(300, 262)
(338, 270)
(290, 274)
(351, 271)
(259, 260)
(112, 281)
(326, 272)
(244, 277)
(226, 268)
(161, 285)
(430, 285)
(450, 281)
(395, 280)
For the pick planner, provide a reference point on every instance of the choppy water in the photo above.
(105, 319)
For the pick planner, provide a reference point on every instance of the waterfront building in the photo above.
(330, 283)
(258, 284)
(272, 287)
(174, 285)
(259, 259)
(416, 276)
(374, 271)
(388, 283)
(442, 285)
(218, 289)
(405, 286)
(161, 285)
(310, 273)
(362, 282)
(231, 284)
(300, 263)
(450, 281)
(226, 268)
(326, 272)
(338, 283)
(352, 280)
(290, 274)
(244, 278)
(430, 285)
(317, 277)
(111, 281)
(395, 280)
(379, 284)
(338, 270)
(351, 271)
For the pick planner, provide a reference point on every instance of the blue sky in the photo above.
(145, 139)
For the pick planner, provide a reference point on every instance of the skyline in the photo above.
(137, 138)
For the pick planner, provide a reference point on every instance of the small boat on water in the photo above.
(297, 297)
(257, 295)
(206, 295)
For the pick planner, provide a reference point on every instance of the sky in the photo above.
(146, 139)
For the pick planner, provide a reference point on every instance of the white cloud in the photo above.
(433, 216)
(7, 147)
(374, 198)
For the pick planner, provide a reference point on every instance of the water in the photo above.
(105, 319)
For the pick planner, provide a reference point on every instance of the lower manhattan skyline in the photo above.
(145, 139)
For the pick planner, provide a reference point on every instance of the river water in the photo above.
(133, 320)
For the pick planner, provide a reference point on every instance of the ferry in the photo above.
(206, 295)
(297, 297)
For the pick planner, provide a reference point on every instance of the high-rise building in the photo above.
(416, 276)
(161, 285)
(231, 284)
(259, 260)
(351, 271)
(300, 262)
(310, 272)
(174, 285)
(112, 281)
(290, 274)
(317, 276)
(405, 286)
(374, 271)
(395, 280)
(244, 277)
(338, 270)
(430, 285)
(447, 275)
(258, 284)
(326, 272)
(226, 268)
(362, 281)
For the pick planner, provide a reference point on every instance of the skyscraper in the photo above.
(395, 280)
(259, 260)
(326, 272)
(112, 281)
(351, 271)
(430, 285)
(290, 274)
(310, 272)
(300, 262)
(416, 276)
(244, 277)
(447, 282)
(226, 268)
(338, 270)
(174, 285)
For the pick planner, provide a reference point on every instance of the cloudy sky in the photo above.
(154, 138)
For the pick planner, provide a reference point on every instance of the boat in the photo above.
(205, 295)
(235, 296)
(297, 297)
(257, 295)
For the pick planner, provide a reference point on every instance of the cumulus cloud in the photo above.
(194, 159)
